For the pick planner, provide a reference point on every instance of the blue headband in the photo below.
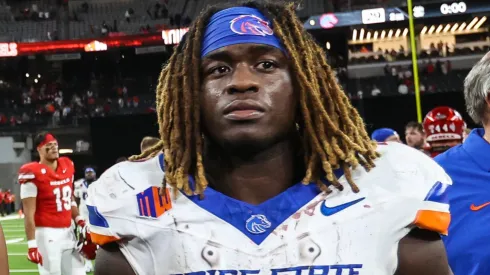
(238, 25)
(380, 135)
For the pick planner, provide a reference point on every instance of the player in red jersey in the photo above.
(4, 263)
(47, 196)
(444, 128)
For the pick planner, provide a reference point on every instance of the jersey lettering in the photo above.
(63, 198)
(347, 269)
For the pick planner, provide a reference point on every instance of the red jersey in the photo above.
(54, 191)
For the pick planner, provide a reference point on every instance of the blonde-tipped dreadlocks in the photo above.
(333, 133)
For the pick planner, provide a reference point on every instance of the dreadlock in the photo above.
(332, 132)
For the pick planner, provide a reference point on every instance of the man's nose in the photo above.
(243, 80)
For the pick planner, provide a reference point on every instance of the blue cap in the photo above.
(382, 134)
(238, 25)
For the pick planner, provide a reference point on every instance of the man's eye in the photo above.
(267, 65)
(220, 70)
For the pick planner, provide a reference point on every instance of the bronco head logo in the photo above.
(257, 224)
(251, 25)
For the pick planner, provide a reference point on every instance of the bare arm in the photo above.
(4, 263)
(422, 252)
(29, 205)
(111, 261)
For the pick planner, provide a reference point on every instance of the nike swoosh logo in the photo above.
(329, 211)
(479, 207)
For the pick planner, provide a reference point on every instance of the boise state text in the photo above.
(349, 269)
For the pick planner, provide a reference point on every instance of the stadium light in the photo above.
(35, 80)
(472, 23)
(38, 76)
(446, 29)
(328, 45)
(375, 35)
(431, 30)
(368, 36)
(478, 25)
(455, 27)
(461, 28)
(65, 151)
(383, 34)
(439, 29)
(390, 33)
(361, 34)
(354, 35)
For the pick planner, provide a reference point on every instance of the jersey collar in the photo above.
(478, 148)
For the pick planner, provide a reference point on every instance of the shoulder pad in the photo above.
(28, 172)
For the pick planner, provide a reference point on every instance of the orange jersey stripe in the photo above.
(102, 239)
(433, 221)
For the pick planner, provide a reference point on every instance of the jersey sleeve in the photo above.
(28, 190)
(26, 174)
(425, 188)
(110, 203)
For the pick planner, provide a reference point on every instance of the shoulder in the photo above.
(29, 171)
(410, 171)
(124, 181)
(65, 161)
(451, 156)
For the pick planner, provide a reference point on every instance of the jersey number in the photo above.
(63, 198)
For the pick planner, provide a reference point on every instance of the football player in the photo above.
(469, 167)
(415, 135)
(81, 187)
(385, 134)
(47, 197)
(444, 128)
(4, 261)
(266, 168)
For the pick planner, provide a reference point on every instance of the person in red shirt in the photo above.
(2, 204)
(4, 261)
(46, 192)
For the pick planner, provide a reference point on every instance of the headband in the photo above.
(47, 139)
(238, 25)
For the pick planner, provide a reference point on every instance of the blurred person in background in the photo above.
(3, 207)
(414, 135)
(468, 165)
(444, 128)
(80, 193)
(385, 134)
(4, 260)
(148, 142)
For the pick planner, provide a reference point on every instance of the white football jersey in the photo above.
(300, 231)
(80, 192)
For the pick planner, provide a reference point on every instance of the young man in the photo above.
(469, 167)
(4, 260)
(47, 196)
(444, 128)
(414, 135)
(266, 168)
(80, 193)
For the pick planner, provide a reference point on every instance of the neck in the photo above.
(256, 178)
(487, 132)
(53, 164)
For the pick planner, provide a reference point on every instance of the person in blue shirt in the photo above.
(468, 165)
(385, 134)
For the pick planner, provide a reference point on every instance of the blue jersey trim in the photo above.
(95, 218)
(438, 193)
